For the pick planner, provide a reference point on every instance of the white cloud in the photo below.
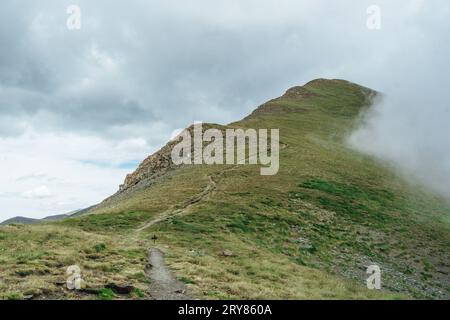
(38, 193)
(44, 174)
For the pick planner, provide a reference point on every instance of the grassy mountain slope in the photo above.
(308, 232)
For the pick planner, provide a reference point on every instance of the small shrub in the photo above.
(100, 247)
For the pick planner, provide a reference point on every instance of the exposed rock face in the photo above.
(159, 162)
(155, 163)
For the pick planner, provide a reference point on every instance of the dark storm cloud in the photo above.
(173, 63)
(98, 111)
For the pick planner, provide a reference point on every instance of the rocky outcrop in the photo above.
(156, 164)
(159, 162)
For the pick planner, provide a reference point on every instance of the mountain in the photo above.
(309, 231)
(24, 220)
(19, 220)
(57, 217)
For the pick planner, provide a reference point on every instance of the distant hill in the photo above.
(25, 220)
(20, 220)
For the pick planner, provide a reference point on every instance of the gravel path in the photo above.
(163, 285)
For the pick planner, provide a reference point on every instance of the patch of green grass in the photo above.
(14, 296)
(106, 294)
(100, 247)
(108, 221)
(138, 293)
(191, 226)
(187, 280)
(366, 204)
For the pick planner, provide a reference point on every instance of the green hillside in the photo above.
(308, 232)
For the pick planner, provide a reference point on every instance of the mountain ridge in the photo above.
(160, 161)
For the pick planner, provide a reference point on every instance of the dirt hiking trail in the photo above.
(163, 285)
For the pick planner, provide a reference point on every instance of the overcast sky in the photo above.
(81, 108)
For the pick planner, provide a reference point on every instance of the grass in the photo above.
(35, 260)
(308, 232)
(106, 294)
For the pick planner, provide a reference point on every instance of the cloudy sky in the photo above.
(80, 108)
